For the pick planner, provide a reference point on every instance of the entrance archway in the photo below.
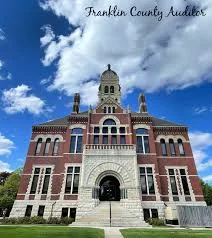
(109, 189)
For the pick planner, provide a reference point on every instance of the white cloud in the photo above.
(48, 37)
(6, 146)
(4, 167)
(2, 35)
(207, 178)
(174, 53)
(202, 109)
(19, 100)
(201, 142)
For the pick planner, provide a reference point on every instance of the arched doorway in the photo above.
(109, 189)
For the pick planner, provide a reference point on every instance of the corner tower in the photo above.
(109, 86)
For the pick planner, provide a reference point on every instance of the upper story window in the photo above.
(38, 146)
(46, 180)
(106, 89)
(76, 140)
(56, 146)
(163, 147)
(142, 136)
(96, 136)
(111, 89)
(47, 146)
(35, 181)
(172, 147)
(109, 122)
(181, 147)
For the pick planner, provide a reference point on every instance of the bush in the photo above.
(23, 220)
(66, 220)
(53, 220)
(37, 220)
(156, 222)
(9, 221)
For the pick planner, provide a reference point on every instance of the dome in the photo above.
(109, 74)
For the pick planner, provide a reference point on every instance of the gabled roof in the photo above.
(109, 100)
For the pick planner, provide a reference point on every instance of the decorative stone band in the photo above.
(109, 147)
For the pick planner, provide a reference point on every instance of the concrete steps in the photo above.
(100, 217)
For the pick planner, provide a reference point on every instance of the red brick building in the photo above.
(77, 163)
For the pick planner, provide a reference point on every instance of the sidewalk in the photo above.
(112, 232)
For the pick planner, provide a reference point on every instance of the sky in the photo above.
(50, 49)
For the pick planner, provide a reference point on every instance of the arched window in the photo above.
(163, 147)
(113, 109)
(111, 89)
(172, 147)
(109, 122)
(47, 146)
(113, 130)
(56, 146)
(106, 89)
(76, 140)
(181, 147)
(142, 136)
(105, 110)
(38, 146)
(109, 109)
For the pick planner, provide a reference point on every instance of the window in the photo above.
(111, 89)
(68, 212)
(28, 211)
(114, 139)
(64, 212)
(122, 139)
(163, 147)
(106, 89)
(72, 180)
(96, 139)
(105, 110)
(146, 180)
(113, 109)
(122, 130)
(109, 122)
(38, 146)
(172, 148)
(47, 146)
(105, 130)
(113, 130)
(142, 141)
(76, 140)
(150, 213)
(173, 182)
(180, 146)
(109, 109)
(184, 182)
(35, 181)
(46, 181)
(56, 146)
(105, 139)
(96, 130)
(41, 211)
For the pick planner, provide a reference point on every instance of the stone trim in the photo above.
(77, 126)
(136, 126)
(174, 137)
(101, 121)
(51, 136)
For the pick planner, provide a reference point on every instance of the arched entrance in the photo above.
(109, 189)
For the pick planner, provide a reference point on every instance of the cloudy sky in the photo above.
(49, 50)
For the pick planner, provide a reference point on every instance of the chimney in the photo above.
(76, 104)
(142, 103)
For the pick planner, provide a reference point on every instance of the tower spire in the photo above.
(76, 104)
(142, 103)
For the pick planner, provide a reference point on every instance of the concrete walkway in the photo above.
(112, 232)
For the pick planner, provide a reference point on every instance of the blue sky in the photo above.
(50, 50)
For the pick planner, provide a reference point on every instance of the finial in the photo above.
(109, 66)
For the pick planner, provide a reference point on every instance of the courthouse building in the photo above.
(77, 163)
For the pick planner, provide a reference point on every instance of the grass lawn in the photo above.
(146, 233)
(49, 232)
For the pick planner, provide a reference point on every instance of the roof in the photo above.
(63, 121)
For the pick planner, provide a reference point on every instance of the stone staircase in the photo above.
(100, 217)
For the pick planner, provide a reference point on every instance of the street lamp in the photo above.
(109, 194)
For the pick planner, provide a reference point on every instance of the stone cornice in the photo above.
(47, 128)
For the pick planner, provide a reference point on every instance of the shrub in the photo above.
(53, 220)
(66, 220)
(156, 222)
(9, 221)
(37, 220)
(23, 220)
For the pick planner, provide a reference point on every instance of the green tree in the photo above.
(9, 190)
(207, 192)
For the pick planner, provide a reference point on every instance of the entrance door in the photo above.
(109, 189)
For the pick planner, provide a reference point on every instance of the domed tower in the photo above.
(109, 86)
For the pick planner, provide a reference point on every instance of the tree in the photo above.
(9, 190)
(3, 176)
(207, 192)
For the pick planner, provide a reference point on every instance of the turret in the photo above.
(142, 103)
(76, 104)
